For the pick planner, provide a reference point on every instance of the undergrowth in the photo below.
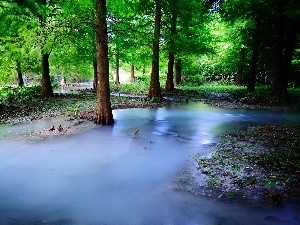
(238, 94)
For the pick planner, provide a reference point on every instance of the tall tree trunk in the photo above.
(278, 86)
(290, 46)
(239, 78)
(20, 75)
(95, 75)
(104, 111)
(178, 71)
(253, 69)
(170, 83)
(47, 90)
(254, 58)
(154, 90)
(117, 78)
(132, 76)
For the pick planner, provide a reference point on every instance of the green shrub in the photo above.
(140, 86)
(143, 78)
(193, 80)
(16, 94)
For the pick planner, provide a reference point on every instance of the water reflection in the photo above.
(104, 176)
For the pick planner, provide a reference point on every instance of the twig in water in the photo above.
(133, 135)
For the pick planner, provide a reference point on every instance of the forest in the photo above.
(206, 120)
(246, 43)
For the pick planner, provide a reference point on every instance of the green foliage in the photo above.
(217, 87)
(194, 80)
(209, 43)
(18, 94)
(143, 79)
(30, 29)
(141, 86)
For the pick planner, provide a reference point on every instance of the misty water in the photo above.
(105, 176)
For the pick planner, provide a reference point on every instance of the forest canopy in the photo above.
(245, 42)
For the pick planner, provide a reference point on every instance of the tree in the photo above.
(171, 50)
(154, 91)
(104, 111)
(185, 35)
(178, 71)
(240, 70)
(181, 18)
(129, 29)
(48, 26)
(40, 29)
(10, 36)
(46, 48)
(270, 35)
(117, 78)
(254, 58)
(20, 75)
(95, 79)
(132, 74)
(285, 44)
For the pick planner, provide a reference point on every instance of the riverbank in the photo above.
(82, 103)
(258, 165)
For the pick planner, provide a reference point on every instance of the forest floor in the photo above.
(260, 164)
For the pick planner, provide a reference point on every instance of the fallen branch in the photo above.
(135, 133)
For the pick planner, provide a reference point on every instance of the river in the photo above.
(106, 175)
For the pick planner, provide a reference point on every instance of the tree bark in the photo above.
(285, 46)
(291, 42)
(47, 90)
(132, 76)
(117, 78)
(154, 90)
(178, 71)
(20, 75)
(239, 78)
(95, 75)
(104, 111)
(278, 86)
(253, 69)
(254, 58)
(169, 82)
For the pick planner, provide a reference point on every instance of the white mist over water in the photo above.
(104, 176)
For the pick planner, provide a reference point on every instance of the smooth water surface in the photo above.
(105, 176)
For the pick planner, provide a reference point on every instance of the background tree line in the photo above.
(246, 42)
